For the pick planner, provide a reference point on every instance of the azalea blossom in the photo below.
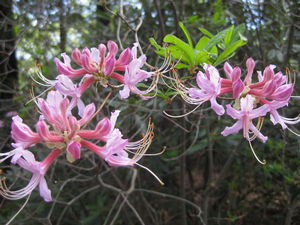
(97, 62)
(65, 86)
(134, 75)
(270, 85)
(209, 88)
(62, 132)
(26, 160)
(68, 133)
(244, 118)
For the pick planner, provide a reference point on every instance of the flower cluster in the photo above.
(252, 100)
(98, 65)
(64, 132)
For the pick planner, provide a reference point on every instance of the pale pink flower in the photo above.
(209, 84)
(244, 118)
(68, 134)
(269, 86)
(134, 75)
(26, 160)
(22, 134)
(96, 62)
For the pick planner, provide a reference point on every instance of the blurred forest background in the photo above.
(209, 179)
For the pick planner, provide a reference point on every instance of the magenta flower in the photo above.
(209, 84)
(134, 75)
(26, 160)
(116, 151)
(96, 62)
(277, 118)
(269, 86)
(22, 134)
(64, 85)
(66, 134)
(245, 117)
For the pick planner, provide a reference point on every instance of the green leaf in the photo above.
(202, 57)
(182, 66)
(202, 42)
(214, 50)
(237, 33)
(154, 43)
(178, 54)
(228, 51)
(206, 32)
(159, 50)
(186, 33)
(228, 36)
(184, 47)
(216, 39)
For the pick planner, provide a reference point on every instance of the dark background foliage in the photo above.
(202, 170)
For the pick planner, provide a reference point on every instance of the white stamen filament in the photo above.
(261, 162)
(153, 174)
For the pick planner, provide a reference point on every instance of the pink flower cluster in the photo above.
(65, 133)
(102, 66)
(252, 100)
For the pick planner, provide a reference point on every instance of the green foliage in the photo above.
(210, 49)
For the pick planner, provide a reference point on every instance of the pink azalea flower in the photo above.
(26, 160)
(277, 118)
(134, 75)
(269, 86)
(244, 118)
(68, 134)
(116, 151)
(22, 134)
(64, 85)
(96, 62)
(209, 84)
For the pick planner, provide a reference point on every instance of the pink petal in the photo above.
(283, 93)
(22, 133)
(197, 94)
(45, 134)
(88, 112)
(260, 111)
(76, 56)
(74, 149)
(112, 48)
(235, 128)
(233, 113)
(219, 109)
(250, 67)
(109, 66)
(125, 92)
(237, 88)
(228, 70)
(236, 73)
(45, 192)
(125, 57)
(102, 51)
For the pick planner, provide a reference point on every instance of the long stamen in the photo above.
(150, 154)
(33, 97)
(298, 135)
(183, 115)
(261, 162)
(142, 145)
(45, 81)
(14, 195)
(153, 174)
(258, 126)
(20, 210)
(291, 120)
